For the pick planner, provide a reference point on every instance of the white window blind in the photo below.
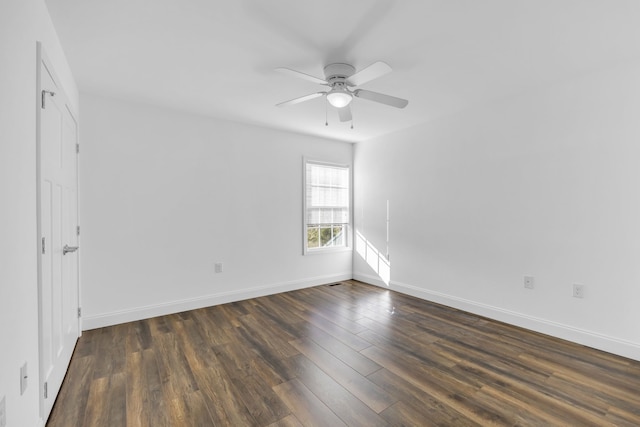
(327, 192)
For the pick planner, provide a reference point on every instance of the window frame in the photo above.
(348, 226)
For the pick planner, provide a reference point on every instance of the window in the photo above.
(326, 211)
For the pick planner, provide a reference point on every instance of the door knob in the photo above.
(68, 249)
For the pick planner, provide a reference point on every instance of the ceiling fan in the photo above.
(342, 79)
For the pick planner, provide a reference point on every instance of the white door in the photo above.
(58, 221)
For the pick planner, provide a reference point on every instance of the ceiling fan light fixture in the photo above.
(339, 98)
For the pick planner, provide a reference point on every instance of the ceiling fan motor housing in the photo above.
(336, 74)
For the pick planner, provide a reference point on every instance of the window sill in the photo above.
(327, 251)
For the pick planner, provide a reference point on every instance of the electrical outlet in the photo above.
(578, 291)
(528, 282)
(23, 378)
(3, 413)
(219, 267)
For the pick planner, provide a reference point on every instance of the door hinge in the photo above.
(77, 148)
(44, 95)
(46, 393)
(78, 230)
(43, 240)
(79, 312)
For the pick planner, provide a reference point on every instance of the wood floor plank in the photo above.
(456, 395)
(350, 354)
(116, 400)
(86, 345)
(111, 342)
(268, 373)
(621, 417)
(351, 357)
(190, 409)
(206, 323)
(135, 392)
(348, 338)
(623, 388)
(521, 414)
(394, 324)
(413, 350)
(321, 306)
(416, 404)
(403, 414)
(139, 337)
(287, 320)
(269, 334)
(193, 344)
(288, 421)
(372, 395)
(158, 325)
(306, 406)
(271, 357)
(470, 359)
(75, 390)
(344, 404)
(339, 302)
(175, 372)
(257, 395)
(222, 399)
(556, 412)
(97, 406)
(106, 402)
(585, 396)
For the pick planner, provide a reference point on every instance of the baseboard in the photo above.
(145, 312)
(584, 337)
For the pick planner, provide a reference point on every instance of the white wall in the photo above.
(165, 195)
(544, 184)
(22, 23)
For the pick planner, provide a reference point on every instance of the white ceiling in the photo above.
(217, 58)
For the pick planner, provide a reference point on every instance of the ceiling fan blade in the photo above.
(303, 76)
(381, 98)
(345, 113)
(373, 71)
(299, 100)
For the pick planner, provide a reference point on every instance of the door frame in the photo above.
(42, 59)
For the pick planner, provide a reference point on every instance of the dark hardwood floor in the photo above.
(350, 354)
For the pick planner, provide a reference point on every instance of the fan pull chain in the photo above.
(326, 112)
